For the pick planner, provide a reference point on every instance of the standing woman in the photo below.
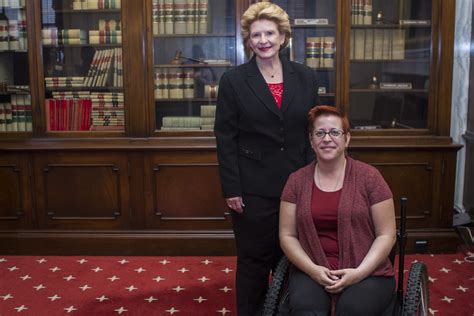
(261, 138)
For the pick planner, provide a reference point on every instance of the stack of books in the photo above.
(105, 69)
(383, 44)
(174, 83)
(63, 82)
(182, 123)
(68, 114)
(108, 112)
(95, 4)
(361, 12)
(208, 117)
(180, 16)
(15, 116)
(320, 52)
(53, 36)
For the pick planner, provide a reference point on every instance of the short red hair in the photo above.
(320, 110)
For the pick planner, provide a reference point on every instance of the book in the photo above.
(311, 21)
(395, 85)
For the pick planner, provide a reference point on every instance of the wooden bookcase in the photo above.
(144, 189)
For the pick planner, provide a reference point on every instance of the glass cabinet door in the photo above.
(82, 56)
(15, 98)
(313, 23)
(390, 53)
(194, 43)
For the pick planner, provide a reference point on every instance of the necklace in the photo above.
(268, 74)
(338, 178)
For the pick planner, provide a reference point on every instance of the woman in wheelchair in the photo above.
(337, 227)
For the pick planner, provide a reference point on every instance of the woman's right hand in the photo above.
(236, 204)
(323, 276)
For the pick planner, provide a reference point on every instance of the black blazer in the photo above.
(259, 145)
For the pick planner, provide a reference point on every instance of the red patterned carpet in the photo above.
(174, 285)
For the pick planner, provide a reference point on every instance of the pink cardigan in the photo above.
(363, 186)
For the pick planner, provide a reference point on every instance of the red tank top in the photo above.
(324, 206)
(277, 91)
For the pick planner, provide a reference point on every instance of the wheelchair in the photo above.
(415, 301)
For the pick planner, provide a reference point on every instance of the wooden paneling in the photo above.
(15, 197)
(82, 190)
(185, 193)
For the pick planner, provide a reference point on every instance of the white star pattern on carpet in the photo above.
(54, 297)
(131, 288)
(200, 299)
(114, 278)
(70, 309)
(172, 310)
(158, 279)
(447, 299)
(120, 310)
(223, 311)
(205, 288)
(55, 269)
(3, 260)
(97, 269)
(6, 297)
(151, 299)
(178, 289)
(85, 287)
(39, 287)
(69, 278)
(102, 298)
(21, 308)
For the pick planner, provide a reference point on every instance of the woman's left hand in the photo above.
(347, 277)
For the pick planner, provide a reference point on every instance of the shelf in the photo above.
(81, 45)
(187, 100)
(192, 65)
(95, 11)
(423, 60)
(193, 35)
(319, 26)
(12, 51)
(84, 89)
(388, 90)
(390, 26)
(327, 95)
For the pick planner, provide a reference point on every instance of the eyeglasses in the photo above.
(334, 133)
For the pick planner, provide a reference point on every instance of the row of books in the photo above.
(13, 34)
(53, 36)
(320, 52)
(15, 116)
(98, 111)
(14, 4)
(361, 12)
(180, 16)
(384, 44)
(105, 71)
(174, 83)
(203, 122)
(95, 4)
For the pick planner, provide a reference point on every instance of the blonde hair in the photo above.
(265, 11)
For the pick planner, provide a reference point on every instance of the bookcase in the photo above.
(116, 153)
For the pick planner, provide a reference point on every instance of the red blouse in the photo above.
(277, 91)
(324, 206)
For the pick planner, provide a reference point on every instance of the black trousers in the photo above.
(370, 297)
(258, 250)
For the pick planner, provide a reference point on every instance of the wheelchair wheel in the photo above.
(416, 300)
(274, 295)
